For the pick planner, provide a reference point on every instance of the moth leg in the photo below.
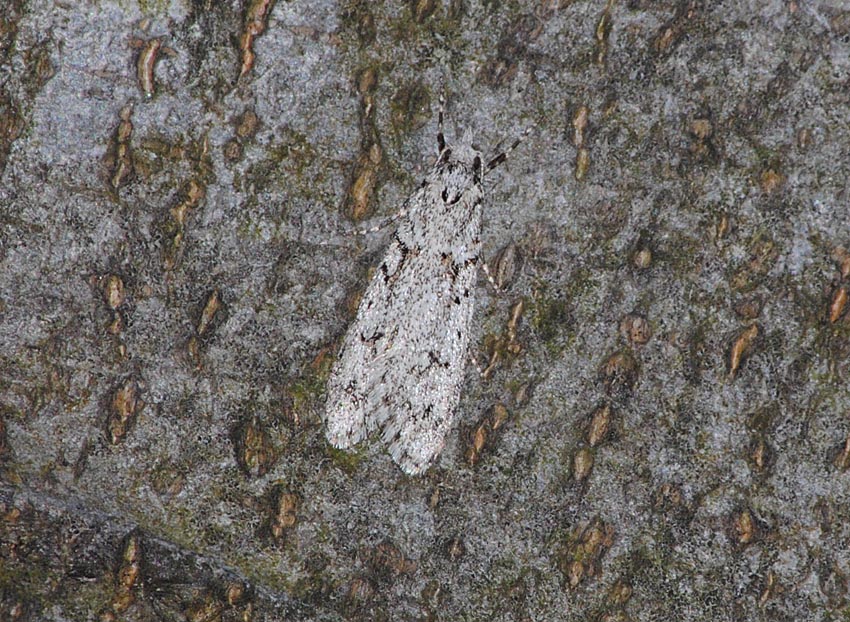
(490, 277)
(332, 241)
(481, 371)
(382, 224)
(386, 222)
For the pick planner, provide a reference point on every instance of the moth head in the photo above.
(461, 166)
(467, 155)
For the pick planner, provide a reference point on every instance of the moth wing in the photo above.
(402, 361)
(349, 416)
(429, 377)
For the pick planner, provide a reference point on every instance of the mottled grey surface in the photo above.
(662, 435)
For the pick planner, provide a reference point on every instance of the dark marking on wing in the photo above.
(406, 253)
(435, 360)
(377, 335)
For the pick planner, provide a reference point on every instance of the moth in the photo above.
(402, 361)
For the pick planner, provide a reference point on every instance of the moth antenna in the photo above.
(441, 137)
(504, 155)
